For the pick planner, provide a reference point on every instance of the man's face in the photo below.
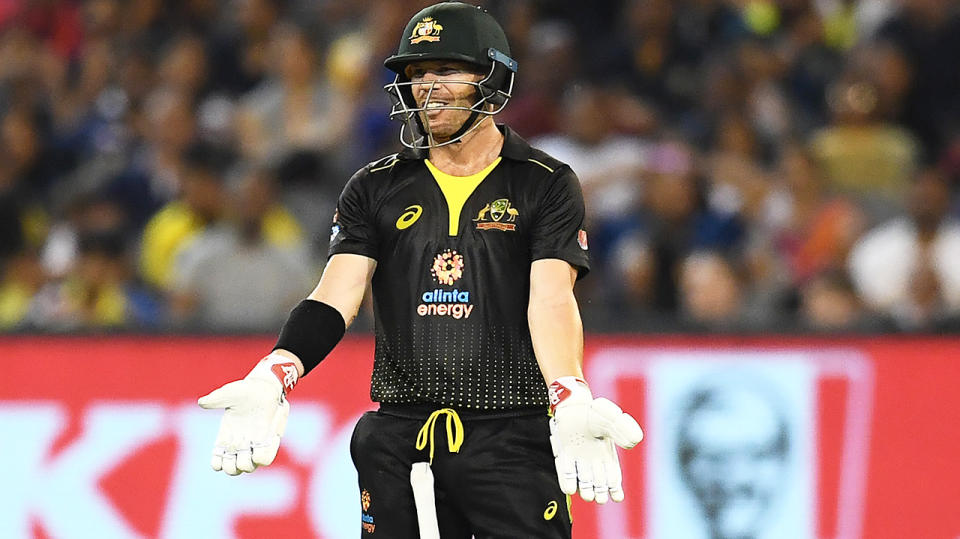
(443, 83)
(736, 462)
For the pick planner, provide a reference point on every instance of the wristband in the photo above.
(565, 387)
(311, 331)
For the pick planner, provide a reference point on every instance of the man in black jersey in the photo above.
(472, 242)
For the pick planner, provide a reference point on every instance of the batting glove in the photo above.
(583, 431)
(254, 417)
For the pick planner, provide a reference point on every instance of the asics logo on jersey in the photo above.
(409, 216)
(551, 511)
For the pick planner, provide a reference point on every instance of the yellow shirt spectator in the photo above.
(174, 226)
(164, 236)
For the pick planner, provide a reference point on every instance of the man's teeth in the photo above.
(435, 104)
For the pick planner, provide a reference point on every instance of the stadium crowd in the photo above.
(748, 165)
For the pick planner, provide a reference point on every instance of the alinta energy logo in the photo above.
(447, 269)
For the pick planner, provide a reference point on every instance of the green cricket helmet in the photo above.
(459, 32)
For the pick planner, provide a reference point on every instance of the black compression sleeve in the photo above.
(311, 332)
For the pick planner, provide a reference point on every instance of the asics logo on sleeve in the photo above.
(409, 216)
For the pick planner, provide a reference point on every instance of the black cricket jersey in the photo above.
(452, 281)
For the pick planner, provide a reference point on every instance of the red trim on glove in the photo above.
(558, 392)
(286, 373)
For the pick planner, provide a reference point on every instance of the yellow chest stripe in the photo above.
(457, 189)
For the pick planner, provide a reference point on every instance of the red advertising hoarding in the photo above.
(752, 437)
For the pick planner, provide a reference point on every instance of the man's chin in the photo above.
(441, 134)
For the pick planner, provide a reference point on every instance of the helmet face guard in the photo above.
(492, 93)
(450, 31)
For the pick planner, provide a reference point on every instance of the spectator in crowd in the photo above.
(22, 278)
(809, 228)
(677, 220)
(772, 133)
(183, 67)
(152, 174)
(928, 34)
(202, 203)
(538, 108)
(246, 273)
(12, 237)
(295, 109)
(909, 267)
(238, 52)
(86, 216)
(711, 293)
(610, 165)
(829, 303)
(99, 293)
(861, 153)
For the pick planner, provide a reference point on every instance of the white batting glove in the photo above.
(583, 432)
(254, 417)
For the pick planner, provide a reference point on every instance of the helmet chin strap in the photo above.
(416, 133)
(467, 126)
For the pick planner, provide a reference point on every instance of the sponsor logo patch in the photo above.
(335, 229)
(366, 518)
(447, 269)
(582, 239)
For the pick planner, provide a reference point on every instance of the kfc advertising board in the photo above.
(766, 438)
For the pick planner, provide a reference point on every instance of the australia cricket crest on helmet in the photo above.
(428, 29)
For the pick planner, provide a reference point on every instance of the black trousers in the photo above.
(502, 483)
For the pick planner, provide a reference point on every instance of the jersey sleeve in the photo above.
(558, 231)
(353, 230)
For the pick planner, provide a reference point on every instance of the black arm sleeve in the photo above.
(311, 331)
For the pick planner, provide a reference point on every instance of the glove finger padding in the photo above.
(216, 460)
(554, 437)
(245, 460)
(266, 450)
(224, 396)
(230, 464)
(585, 479)
(608, 420)
(600, 489)
(611, 467)
(566, 472)
(254, 418)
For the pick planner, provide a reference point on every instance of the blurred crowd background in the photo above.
(748, 165)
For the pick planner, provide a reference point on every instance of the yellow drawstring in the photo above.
(454, 431)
